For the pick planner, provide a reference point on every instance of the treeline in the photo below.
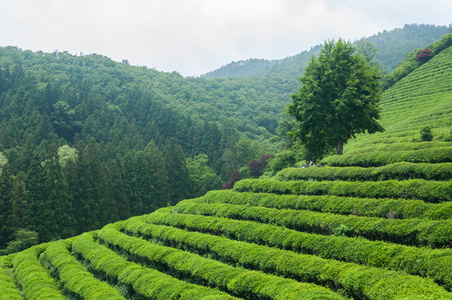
(80, 189)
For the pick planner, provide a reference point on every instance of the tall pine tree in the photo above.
(178, 176)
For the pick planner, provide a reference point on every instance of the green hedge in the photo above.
(401, 146)
(238, 281)
(369, 207)
(147, 282)
(354, 279)
(418, 232)
(8, 289)
(36, 283)
(398, 171)
(381, 158)
(429, 191)
(433, 263)
(74, 275)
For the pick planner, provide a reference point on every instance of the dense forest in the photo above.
(85, 141)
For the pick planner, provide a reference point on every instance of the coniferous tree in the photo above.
(178, 176)
(61, 225)
(39, 210)
(5, 204)
(18, 211)
(159, 175)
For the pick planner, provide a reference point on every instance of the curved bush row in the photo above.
(354, 279)
(8, 289)
(398, 171)
(417, 232)
(36, 283)
(429, 191)
(381, 158)
(147, 282)
(237, 281)
(74, 275)
(402, 146)
(369, 207)
(434, 263)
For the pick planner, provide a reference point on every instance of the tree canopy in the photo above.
(338, 99)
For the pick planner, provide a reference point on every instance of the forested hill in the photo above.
(391, 47)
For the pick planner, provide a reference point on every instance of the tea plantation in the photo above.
(374, 223)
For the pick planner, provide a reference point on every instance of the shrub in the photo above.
(283, 159)
(355, 279)
(426, 134)
(424, 55)
(235, 176)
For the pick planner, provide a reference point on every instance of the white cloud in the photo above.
(196, 36)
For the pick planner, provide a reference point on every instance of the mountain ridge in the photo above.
(406, 35)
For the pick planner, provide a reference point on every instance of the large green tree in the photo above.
(339, 98)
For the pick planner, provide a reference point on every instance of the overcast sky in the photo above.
(197, 36)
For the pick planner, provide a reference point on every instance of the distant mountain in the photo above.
(241, 68)
(391, 47)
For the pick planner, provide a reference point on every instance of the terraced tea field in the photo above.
(375, 223)
(421, 99)
(316, 233)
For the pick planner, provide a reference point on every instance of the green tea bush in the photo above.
(8, 289)
(147, 282)
(36, 283)
(237, 281)
(397, 171)
(400, 146)
(418, 232)
(426, 134)
(381, 158)
(281, 261)
(370, 207)
(429, 191)
(74, 276)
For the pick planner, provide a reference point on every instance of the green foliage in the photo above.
(201, 175)
(246, 150)
(397, 171)
(237, 281)
(65, 154)
(284, 159)
(338, 99)
(145, 281)
(357, 281)
(180, 186)
(370, 207)
(430, 191)
(382, 158)
(420, 99)
(408, 232)
(9, 289)
(3, 161)
(23, 239)
(340, 230)
(426, 134)
(411, 61)
(73, 275)
(36, 283)
(416, 261)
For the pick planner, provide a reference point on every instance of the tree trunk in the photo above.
(339, 147)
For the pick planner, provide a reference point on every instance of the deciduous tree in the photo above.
(338, 99)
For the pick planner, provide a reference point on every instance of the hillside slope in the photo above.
(376, 227)
(423, 98)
